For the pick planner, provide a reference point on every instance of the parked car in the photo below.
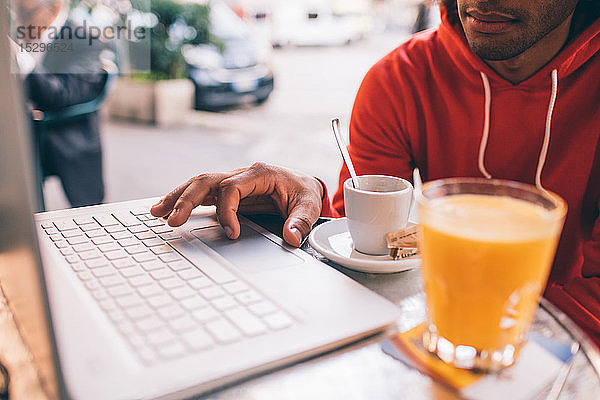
(310, 23)
(236, 72)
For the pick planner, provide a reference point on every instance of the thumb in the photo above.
(298, 225)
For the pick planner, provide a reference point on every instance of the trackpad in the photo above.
(251, 252)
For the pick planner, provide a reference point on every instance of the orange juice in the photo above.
(486, 259)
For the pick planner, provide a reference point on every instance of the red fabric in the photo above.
(423, 105)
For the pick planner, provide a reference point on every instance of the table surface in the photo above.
(358, 371)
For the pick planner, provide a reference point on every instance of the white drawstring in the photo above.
(486, 125)
(486, 129)
(544, 151)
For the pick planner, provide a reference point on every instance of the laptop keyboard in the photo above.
(164, 306)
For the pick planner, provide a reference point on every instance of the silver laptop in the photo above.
(115, 304)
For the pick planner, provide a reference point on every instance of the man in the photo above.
(504, 89)
(65, 80)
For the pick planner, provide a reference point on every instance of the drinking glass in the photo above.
(487, 248)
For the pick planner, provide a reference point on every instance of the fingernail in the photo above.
(296, 234)
(228, 231)
(158, 204)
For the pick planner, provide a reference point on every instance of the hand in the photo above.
(259, 188)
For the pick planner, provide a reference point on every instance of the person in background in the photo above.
(65, 78)
(504, 89)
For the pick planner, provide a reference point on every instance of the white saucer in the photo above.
(333, 241)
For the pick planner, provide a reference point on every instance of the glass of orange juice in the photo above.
(487, 247)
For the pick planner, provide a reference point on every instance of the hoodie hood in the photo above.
(577, 51)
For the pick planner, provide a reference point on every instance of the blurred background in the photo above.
(232, 82)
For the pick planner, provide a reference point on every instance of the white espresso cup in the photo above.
(380, 205)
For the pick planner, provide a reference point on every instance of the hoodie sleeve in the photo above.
(378, 144)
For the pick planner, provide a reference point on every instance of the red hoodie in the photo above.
(424, 105)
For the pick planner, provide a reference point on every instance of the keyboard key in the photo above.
(171, 351)
(278, 320)
(144, 257)
(142, 210)
(182, 292)
(87, 255)
(171, 283)
(129, 272)
(72, 259)
(71, 233)
(224, 303)
(161, 336)
(61, 244)
(109, 247)
(235, 287)
(57, 237)
(47, 225)
(115, 229)
(129, 300)
(154, 223)
(248, 297)
(180, 265)
(138, 312)
(123, 262)
(170, 236)
(200, 283)
(77, 240)
(52, 231)
(151, 290)
(182, 324)
(149, 324)
(138, 229)
(140, 280)
(121, 235)
(90, 227)
(128, 242)
(169, 257)
(223, 331)
(78, 267)
(145, 235)
(152, 265)
(106, 220)
(170, 312)
(67, 251)
(126, 219)
(85, 275)
(162, 229)
(95, 233)
(154, 242)
(206, 314)
(262, 308)
(164, 273)
(212, 292)
(138, 248)
(97, 262)
(160, 300)
(112, 280)
(101, 240)
(119, 290)
(190, 273)
(115, 255)
(83, 247)
(198, 339)
(193, 303)
(84, 220)
(246, 322)
(103, 271)
(164, 249)
(65, 225)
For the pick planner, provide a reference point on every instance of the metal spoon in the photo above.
(335, 124)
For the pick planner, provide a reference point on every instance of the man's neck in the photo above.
(523, 66)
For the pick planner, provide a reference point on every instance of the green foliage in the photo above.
(178, 24)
